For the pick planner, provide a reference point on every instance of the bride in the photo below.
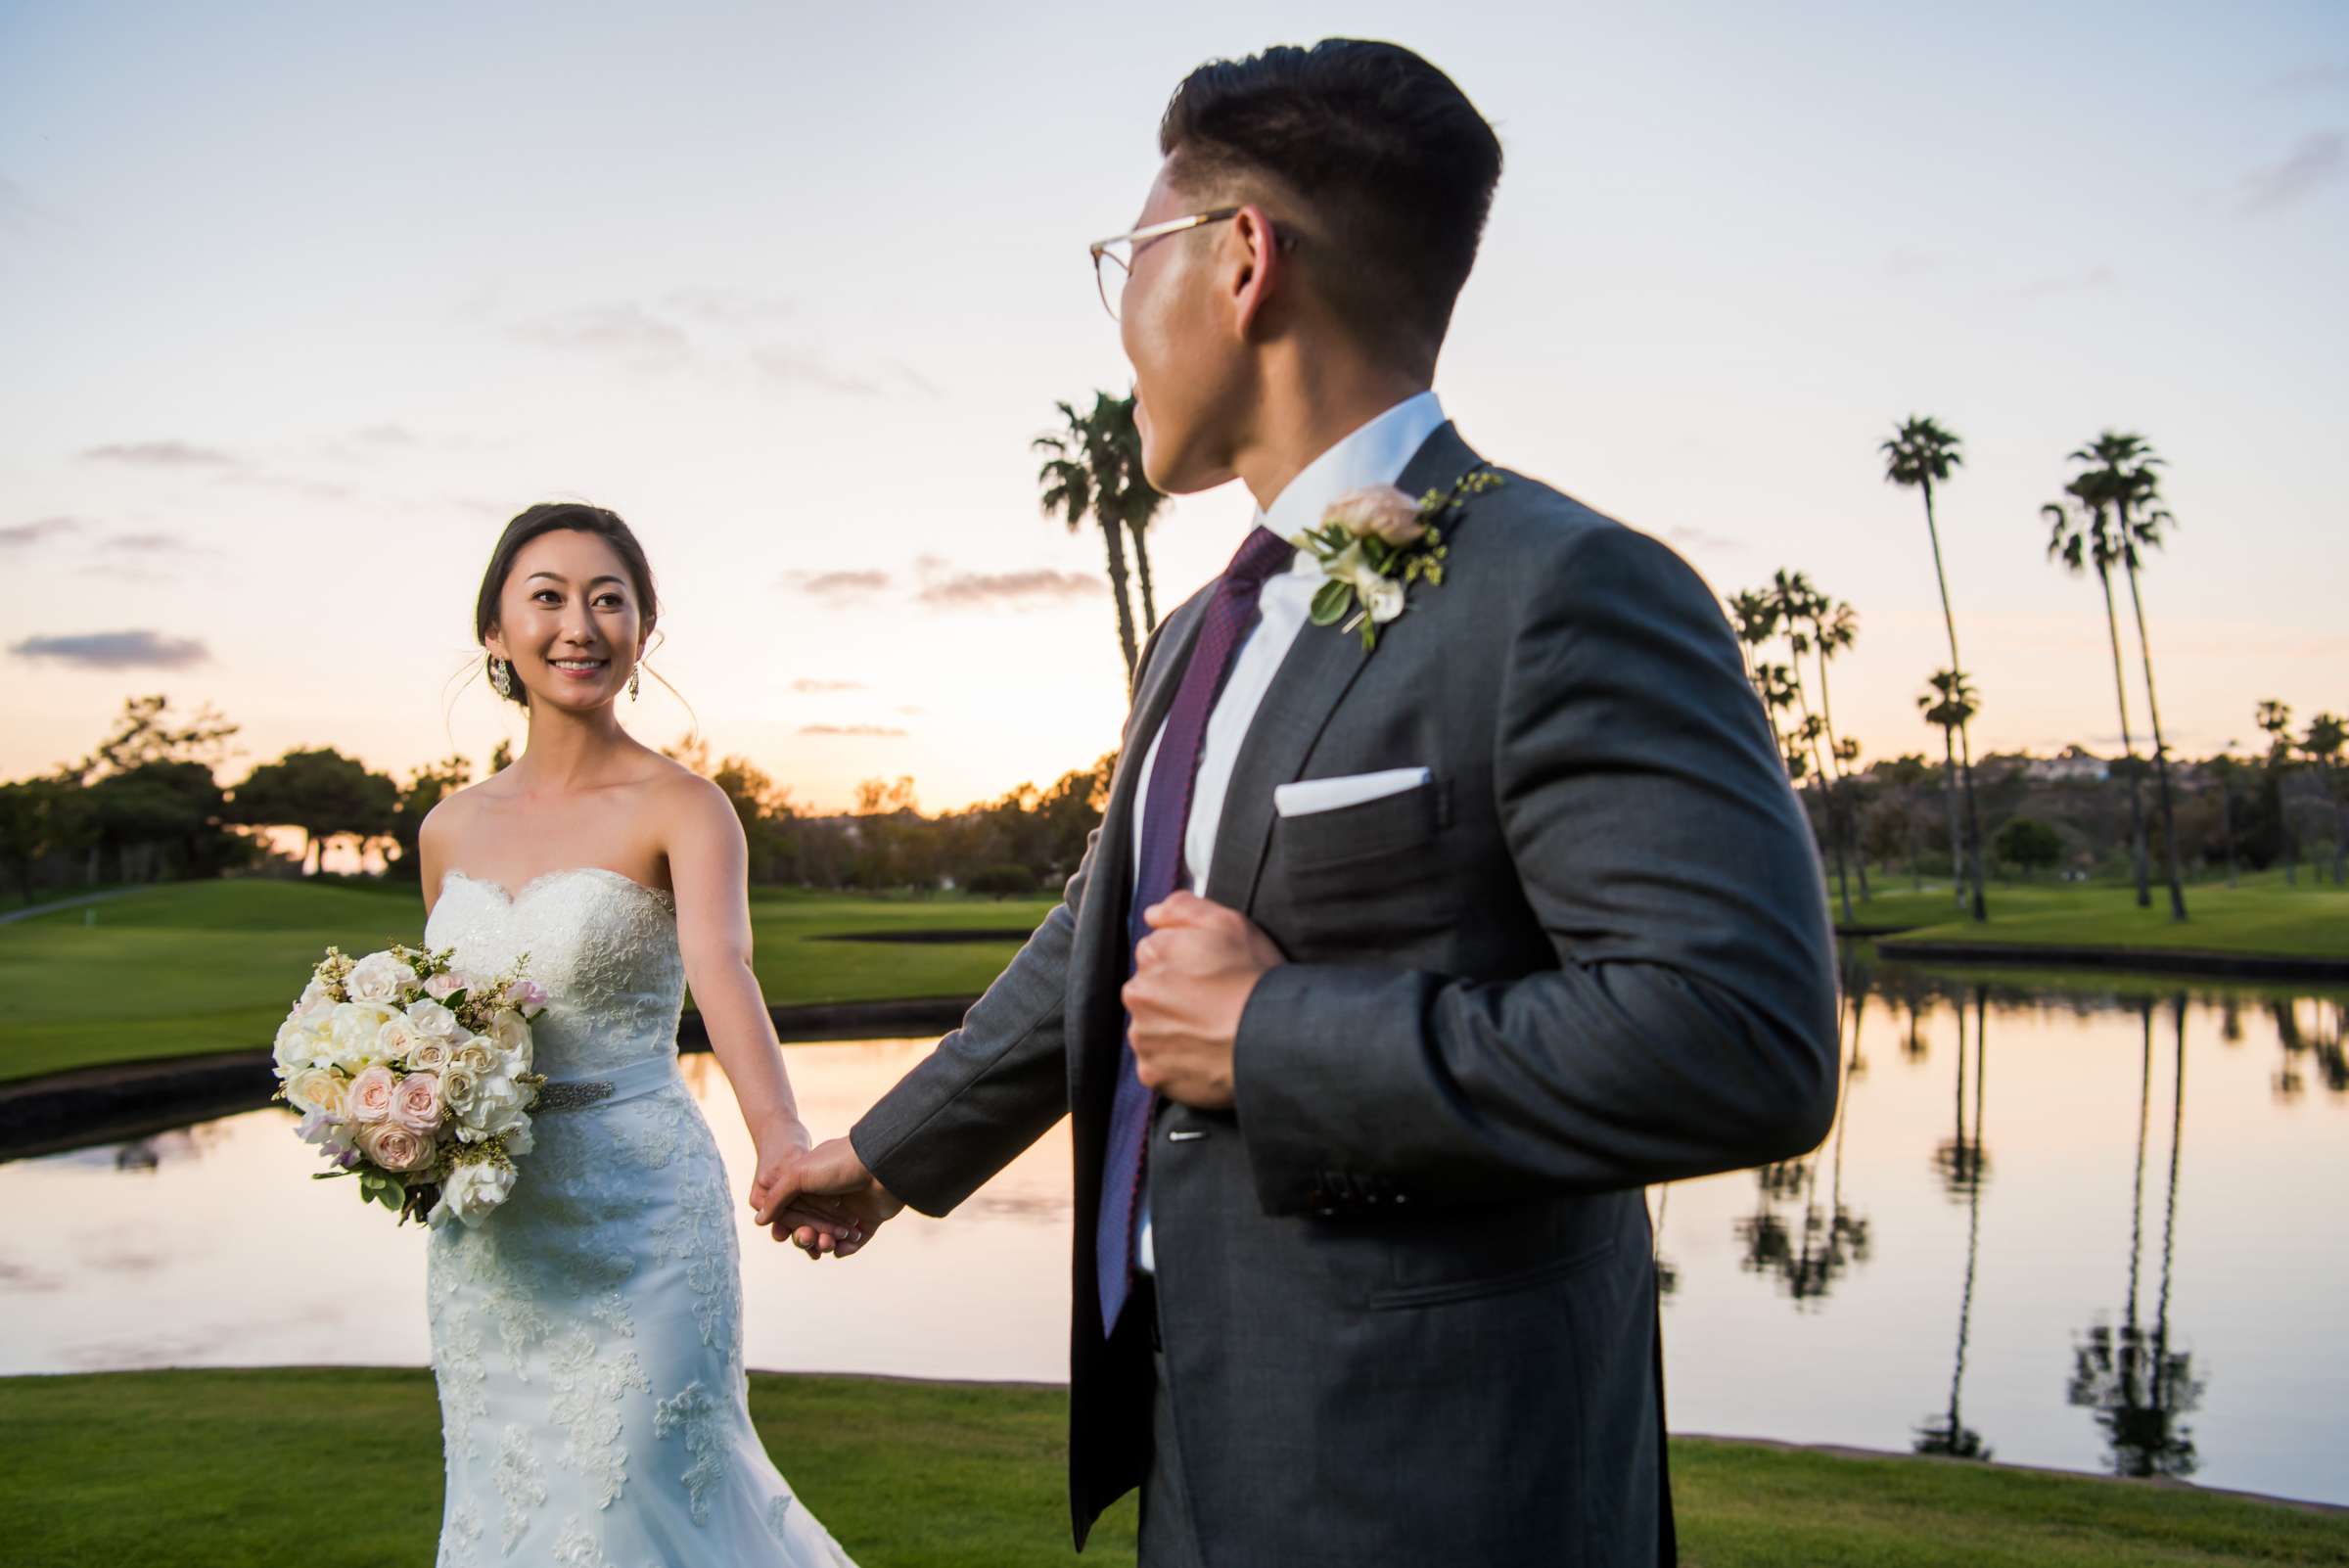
(588, 1335)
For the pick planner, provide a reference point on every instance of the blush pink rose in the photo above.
(370, 1095)
(416, 1102)
(1378, 509)
(395, 1147)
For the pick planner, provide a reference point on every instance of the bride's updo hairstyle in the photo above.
(557, 517)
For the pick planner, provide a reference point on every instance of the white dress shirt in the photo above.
(1375, 453)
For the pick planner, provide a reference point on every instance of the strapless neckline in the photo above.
(511, 897)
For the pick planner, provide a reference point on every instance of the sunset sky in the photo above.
(299, 304)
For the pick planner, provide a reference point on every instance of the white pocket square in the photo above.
(1311, 795)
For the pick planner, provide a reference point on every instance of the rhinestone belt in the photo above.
(637, 1078)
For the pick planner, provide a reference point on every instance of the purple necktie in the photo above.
(1231, 613)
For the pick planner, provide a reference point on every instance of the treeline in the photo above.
(147, 806)
(2288, 809)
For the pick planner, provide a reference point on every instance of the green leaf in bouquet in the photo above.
(1331, 601)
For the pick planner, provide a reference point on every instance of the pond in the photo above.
(2088, 1225)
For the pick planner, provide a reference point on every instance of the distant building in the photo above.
(2074, 766)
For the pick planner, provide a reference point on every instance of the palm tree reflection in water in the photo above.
(1965, 1166)
(2139, 1387)
(1830, 1239)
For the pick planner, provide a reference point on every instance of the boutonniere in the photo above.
(1373, 543)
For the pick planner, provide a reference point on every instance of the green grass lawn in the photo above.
(186, 968)
(335, 1468)
(2262, 915)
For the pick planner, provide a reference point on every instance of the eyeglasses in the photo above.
(1121, 250)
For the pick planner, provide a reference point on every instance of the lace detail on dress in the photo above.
(589, 1385)
(460, 1538)
(694, 1414)
(604, 945)
(520, 1482)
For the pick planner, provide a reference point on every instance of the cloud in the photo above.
(624, 332)
(849, 587)
(1910, 263)
(152, 544)
(881, 731)
(727, 307)
(159, 454)
(827, 685)
(963, 589)
(2315, 161)
(801, 366)
(115, 650)
(2096, 280)
(385, 436)
(39, 529)
(2310, 78)
(1696, 538)
(316, 490)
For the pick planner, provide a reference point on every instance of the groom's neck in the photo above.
(1310, 400)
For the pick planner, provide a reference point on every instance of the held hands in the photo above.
(1192, 978)
(822, 1200)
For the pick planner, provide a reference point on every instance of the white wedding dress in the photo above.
(588, 1335)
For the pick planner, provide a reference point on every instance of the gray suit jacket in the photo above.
(1405, 1288)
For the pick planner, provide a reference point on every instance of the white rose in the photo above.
(512, 1038)
(318, 1089)
(457, 1084)
(519, 1140)
(356, 1027)
(472, 1191)
(299, 1045)
(378, 978)
(429, 1055)
(434, 1021)
(314, 991)
(497, 1106)
(1381, 596)
(476, 1055)
(399, 1038)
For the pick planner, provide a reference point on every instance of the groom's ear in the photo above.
(1256, 271)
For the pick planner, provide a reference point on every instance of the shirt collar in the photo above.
(1375, 453)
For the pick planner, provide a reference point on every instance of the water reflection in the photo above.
(1806, 1252)
(1815, 1301)
(1964, 1165)
(2138, 1385)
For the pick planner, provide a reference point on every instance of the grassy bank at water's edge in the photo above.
(340, 1468)
(185, 968)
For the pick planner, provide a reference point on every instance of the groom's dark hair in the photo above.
(1394, 166)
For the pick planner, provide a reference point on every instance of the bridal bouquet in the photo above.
(414, 1076)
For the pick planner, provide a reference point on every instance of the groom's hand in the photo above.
(1192, 978)
(805, 1200)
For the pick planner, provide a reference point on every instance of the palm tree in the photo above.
(1756, 623)
(1081, 479)
(1834, 628)
(1920, 453)
(1950, 705)
(2322, 743)
(2276, 720)
(1134, 501)
(2125, 476)
(2082, 535)
(1796, 605)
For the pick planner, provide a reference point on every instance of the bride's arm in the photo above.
(709, 865)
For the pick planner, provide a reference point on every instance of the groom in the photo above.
(1393, 974)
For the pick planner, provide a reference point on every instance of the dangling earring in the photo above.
(501, 676)
(633, 693)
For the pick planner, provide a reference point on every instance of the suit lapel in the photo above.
(1096, 962)
(1321, 666)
